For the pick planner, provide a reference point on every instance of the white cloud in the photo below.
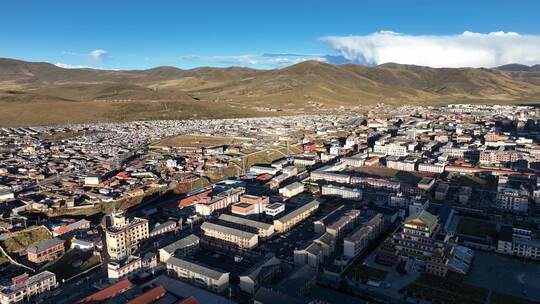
(266, 59)
(70, 66)
(99, 55)
(468, 49)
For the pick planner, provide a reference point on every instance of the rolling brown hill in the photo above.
(41, 93)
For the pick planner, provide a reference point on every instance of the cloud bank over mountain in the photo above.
(468, 49)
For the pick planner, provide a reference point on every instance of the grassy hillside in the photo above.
(41, 93)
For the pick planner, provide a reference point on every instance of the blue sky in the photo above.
(267, 34)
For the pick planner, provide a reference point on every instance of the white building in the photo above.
(25, 287)
(393, 149)
(240, 238)
(292, 189)
(274, 209)
(264, 230)
(342, 191)
(118, 270)
(198, 275)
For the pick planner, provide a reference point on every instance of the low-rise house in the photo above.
(46, 251)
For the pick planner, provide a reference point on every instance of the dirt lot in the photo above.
(198, 141)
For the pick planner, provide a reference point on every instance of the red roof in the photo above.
(122, 174)
(150, 296)
(108, 292)
(264, 176)
(62, 230)
(190, 199)
(190, 300)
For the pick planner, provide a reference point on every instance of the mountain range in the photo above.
(42, 93)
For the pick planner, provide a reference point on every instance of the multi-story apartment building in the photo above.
(511, 197)
(236, 237)
(376, 183)
(198, 275)
(359, 239)
(122, 236)
(24, 287)
(401, 164)
(518, 242)
(289, 220)
(206, 206)
(393, 149)
(263, 230)
(183, 246)
(342, 191)
(330, 177)
(344, 224)
(431, 167)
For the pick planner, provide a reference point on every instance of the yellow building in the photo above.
(289, 220)
(122, 236)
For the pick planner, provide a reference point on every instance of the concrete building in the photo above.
(207, 206)
(357, 241)
(260, 274)
(274, 209)
(512, 199)
(393, 149)
(292, 189)
(198, 275)
(240, 238)
(46, 251)
(289, 220)
(122, 236)
(24, 288)
(344, 224)
(263, 230)
(342, 191)
(118, 270)
(184, 246)
(250, 204)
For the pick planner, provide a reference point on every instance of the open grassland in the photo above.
(63, 112)
(19, 241)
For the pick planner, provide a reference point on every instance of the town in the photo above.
(408, 204)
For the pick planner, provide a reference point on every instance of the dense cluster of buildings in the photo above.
(285, 211)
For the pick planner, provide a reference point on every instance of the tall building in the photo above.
(122, 236)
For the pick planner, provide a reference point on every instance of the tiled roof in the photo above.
(149, 296)
(108, 292)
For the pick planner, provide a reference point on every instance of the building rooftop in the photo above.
(227, 230)
(244, 221)
(197, 268)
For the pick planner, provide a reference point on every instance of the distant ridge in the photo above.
(238, 91)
